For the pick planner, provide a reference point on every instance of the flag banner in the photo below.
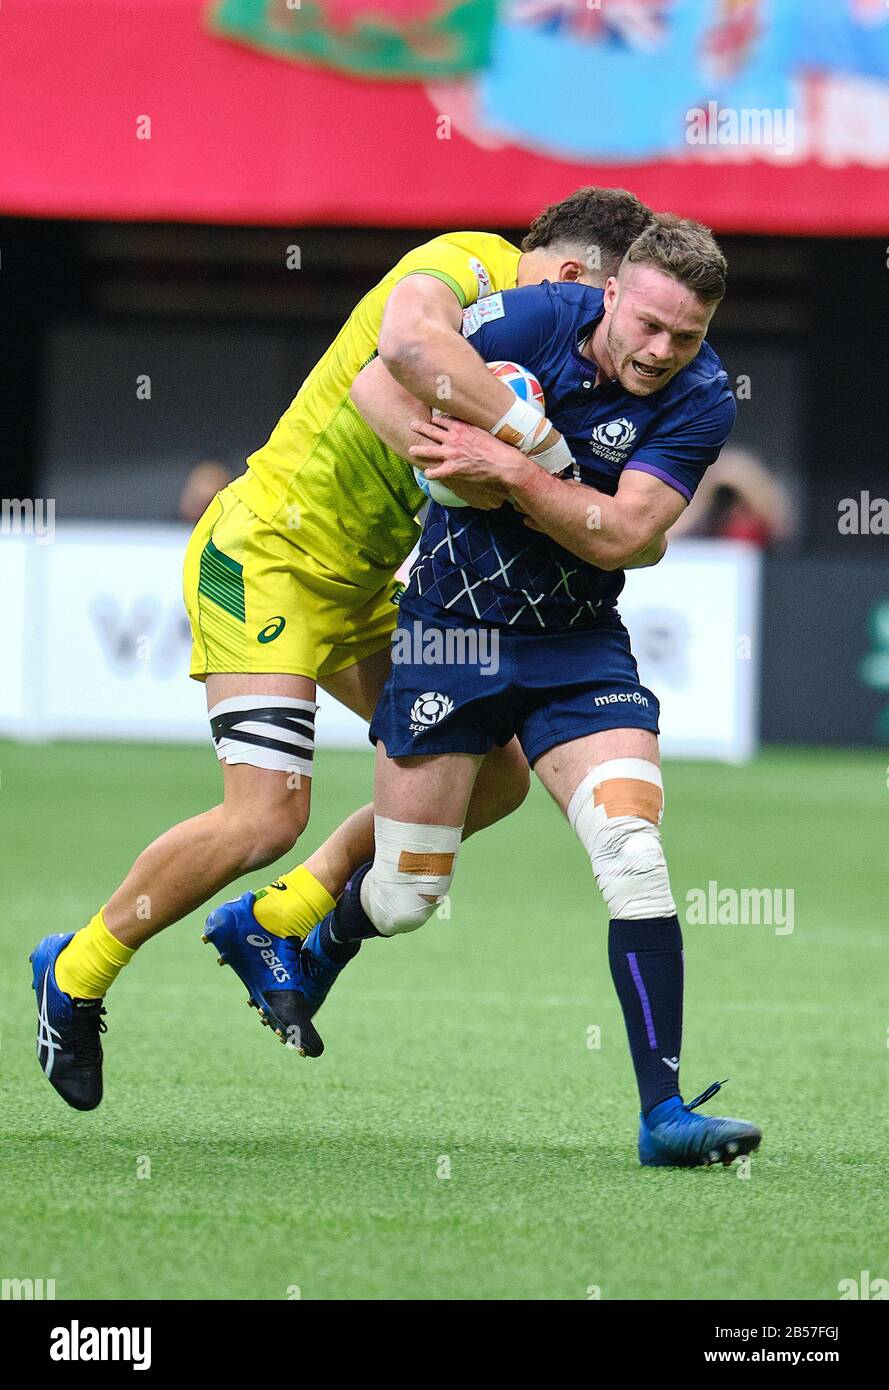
(654, 79)
(374, 38)
(850, 36)
(752, 115)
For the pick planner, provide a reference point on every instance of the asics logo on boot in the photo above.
(274, 962)
(48, 1038)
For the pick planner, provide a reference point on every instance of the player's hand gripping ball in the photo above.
(526, 387)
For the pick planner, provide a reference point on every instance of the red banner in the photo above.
(120, 110)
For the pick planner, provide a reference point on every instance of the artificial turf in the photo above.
(460, 1138)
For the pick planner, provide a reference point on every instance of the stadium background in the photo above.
(292, 154)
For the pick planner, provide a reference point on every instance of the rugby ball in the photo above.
(526, 387)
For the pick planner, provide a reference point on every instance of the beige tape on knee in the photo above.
(412, 871)
(615, 813)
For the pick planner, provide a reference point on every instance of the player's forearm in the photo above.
(589, 523)
(387, 407)
(651, 555)
(439, 367)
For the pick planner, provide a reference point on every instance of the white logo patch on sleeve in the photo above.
(482, 277)
(482, 312)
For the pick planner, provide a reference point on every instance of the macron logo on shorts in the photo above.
(636, 698)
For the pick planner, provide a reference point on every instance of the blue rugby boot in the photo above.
(323, 954)
(670, 1136)
(318, 968)
(269, 968)
(69, 1045)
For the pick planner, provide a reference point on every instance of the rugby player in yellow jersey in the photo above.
(290, 583)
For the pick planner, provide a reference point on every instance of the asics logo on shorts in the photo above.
(428, 709)
(273, 628)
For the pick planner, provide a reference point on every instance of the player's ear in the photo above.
(572, 270)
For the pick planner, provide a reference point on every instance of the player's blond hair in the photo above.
(685, 249)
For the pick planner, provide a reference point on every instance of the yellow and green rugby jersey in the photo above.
(324, 480)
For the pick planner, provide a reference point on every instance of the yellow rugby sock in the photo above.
(292, 904)
(91, 961)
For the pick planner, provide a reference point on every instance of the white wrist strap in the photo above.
(524, 427)
(521, 426)
(555, 459)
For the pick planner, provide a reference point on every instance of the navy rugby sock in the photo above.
(645, 956)
(343, 929)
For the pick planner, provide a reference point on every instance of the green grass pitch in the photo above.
(460, 1050)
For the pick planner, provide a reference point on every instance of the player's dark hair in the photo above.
(602, 222)
(686, 250)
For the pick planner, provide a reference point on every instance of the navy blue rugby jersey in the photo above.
(487, 566)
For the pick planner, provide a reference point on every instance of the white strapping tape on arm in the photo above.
(555, 459)
(524, 427)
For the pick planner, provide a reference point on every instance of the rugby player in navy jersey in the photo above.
(645, 407)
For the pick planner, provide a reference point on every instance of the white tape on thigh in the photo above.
(411, 863)
(273, 731)
(624, 847)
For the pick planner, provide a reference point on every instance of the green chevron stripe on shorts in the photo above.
(222, 581)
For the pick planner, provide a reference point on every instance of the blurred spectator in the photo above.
(738, 499)
(201, 486)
